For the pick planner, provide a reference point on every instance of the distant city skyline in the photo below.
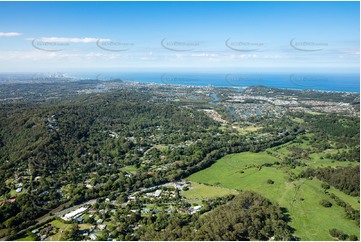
(180, 36)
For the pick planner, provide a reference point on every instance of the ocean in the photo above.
(299, 81)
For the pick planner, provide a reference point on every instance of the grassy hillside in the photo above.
(301, 197)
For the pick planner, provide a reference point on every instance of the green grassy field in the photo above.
(85, 226)
(28, 238)
(246, 130)
(131, 169)
(59, 224)
(236, 172)
(311, 220)
(353, 201)
(199, 191)
(301, 197)
(317, 161)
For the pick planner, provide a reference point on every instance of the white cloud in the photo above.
(9, 34)
(68, 40)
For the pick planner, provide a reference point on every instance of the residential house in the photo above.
(102, 227)
(93, 236)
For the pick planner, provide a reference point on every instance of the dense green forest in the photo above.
(347, 179)
(66, 151)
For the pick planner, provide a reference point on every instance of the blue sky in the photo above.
(179, 36)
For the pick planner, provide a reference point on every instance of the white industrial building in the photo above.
(74, 214)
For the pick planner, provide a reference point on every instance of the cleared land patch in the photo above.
(201, 191)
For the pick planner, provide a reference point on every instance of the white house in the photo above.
(102, 226)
